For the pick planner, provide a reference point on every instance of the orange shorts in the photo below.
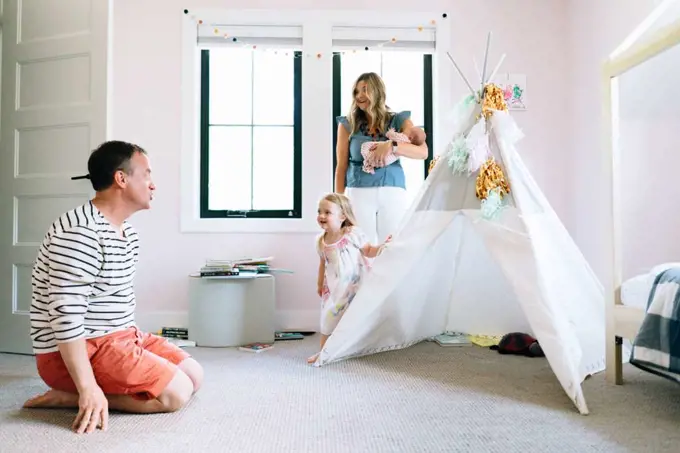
(128, 362)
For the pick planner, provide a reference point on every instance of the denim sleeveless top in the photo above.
(390, 176)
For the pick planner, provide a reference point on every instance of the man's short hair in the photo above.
(109, 158)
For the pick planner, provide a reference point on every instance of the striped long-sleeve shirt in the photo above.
(82, 279)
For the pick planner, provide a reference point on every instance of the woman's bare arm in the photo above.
(342, 156)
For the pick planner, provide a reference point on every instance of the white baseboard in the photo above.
(153, 321)
(298, 320)
(301, 320)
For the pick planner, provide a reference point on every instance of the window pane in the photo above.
(352, 66)
(230, 164)
(403, 76)
(273, 168)
(230, 86)
(273, 89)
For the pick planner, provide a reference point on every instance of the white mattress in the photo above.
(635, 291)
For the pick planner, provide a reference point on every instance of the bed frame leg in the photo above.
(618, 357)
(614, 369)
(618, 354)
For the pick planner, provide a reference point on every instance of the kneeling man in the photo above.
(88, 348)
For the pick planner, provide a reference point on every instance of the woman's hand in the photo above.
(381, 150)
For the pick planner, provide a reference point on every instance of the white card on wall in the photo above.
(514, 89)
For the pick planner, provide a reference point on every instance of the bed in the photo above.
(626, 300)
(625, 319)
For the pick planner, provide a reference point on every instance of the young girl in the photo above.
(344, 260)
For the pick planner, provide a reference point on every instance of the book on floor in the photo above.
(452, 339)
(256, 347)
(281, 336)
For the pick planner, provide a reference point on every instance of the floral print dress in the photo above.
(345, 268)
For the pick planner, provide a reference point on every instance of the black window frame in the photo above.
(428, 119)
(205, 212)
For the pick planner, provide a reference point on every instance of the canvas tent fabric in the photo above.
(451, 267)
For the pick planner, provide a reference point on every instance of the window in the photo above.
(251, 135)
(240, 166)
(408, 81)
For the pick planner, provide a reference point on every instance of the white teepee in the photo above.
(458, 263)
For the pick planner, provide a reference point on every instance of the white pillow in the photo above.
(656, 270)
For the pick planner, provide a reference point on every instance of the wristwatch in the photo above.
(395, 145)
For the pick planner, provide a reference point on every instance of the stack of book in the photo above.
(215, 268)
(243, 266)
(174, 332)
(179, 336)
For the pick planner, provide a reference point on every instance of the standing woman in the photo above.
(379, 199)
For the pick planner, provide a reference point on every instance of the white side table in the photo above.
(231, 310)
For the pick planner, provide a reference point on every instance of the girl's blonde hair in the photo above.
(345, 206)
(377, 109)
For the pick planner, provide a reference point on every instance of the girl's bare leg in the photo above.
(313, 358)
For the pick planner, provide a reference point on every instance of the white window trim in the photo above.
(317, 163)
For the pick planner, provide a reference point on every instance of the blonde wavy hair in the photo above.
(377, 109)
(345, 205)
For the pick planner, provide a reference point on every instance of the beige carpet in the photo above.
(423, 399)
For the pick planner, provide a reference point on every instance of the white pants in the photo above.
(378, 210)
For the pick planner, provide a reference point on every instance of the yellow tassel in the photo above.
(490, 176)
(493, 100)
(433, 162)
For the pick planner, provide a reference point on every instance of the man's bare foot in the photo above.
(313, 358)
(53, 398)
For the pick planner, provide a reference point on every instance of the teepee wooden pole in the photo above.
(461, 74)
(477, 71)
(486, 58)
(495, 70)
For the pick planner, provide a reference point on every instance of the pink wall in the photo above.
(596, 28)
(650, 223)
(146, 110)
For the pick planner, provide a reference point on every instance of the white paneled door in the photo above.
(55, 66)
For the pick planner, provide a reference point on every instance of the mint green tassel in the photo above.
(458, 155)
(492, 205)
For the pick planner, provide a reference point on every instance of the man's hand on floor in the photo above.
(93, 411)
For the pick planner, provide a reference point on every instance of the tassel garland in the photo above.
(469, 153)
